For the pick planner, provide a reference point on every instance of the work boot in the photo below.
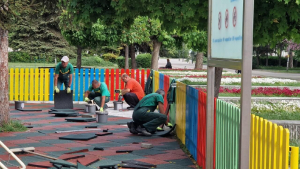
(143, 131)
(131, 127)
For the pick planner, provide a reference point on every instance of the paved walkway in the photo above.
(181, 64)
(166, 152)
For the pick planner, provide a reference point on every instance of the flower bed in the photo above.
(282, 110)
(237, 81)
(263, 91)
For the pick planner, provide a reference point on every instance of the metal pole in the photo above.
(244, 154)
(209, 161)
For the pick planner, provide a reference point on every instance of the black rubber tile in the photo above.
(64, 114)
(80, 119)
(84, 136)
(63, 100)
(183, 162)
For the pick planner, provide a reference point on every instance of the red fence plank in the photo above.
(122, 83)
(112, 84)
(132, 73)
(143, 79)
(117, 83)
(107, 77)
(166, 88)
(137, 76)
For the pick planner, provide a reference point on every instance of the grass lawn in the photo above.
(279, 69)
(279, 116)
(36, 65)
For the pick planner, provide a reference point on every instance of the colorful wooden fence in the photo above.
(38, 84)
(269, 147)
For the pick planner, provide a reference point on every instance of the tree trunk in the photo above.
(257, 56)
(155, 54)
(199, 60)
(218, 77)
(132, 55)
(280, 54)
(126, 57)
(79, 51)
(267, 58)
(291, 64)
(4, 104)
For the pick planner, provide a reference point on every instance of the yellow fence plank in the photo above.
(260, 130)
(22, 84)
(279, 147)
(41, 85)
(256, 142)
(274, 144)
(285, 148)
(11, 84)
(264, 143)
(47, 84)
(31, 84)
(294, 157)
(26, 84)
(156, 81)
(16, 84)
(269, 145)
(180, 111)
(36, 85)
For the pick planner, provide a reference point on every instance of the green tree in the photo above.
(197, 41)
(10, 11)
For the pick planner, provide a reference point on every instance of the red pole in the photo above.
(122, 83)
(112, 84)
(143, 79)
(117, 82)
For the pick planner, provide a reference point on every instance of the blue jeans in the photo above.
(61, 81)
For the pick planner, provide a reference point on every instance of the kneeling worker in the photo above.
(144, 116)
(133, 91)
(99, 93)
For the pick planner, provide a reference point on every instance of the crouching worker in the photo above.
(99, 93)
(145, 120)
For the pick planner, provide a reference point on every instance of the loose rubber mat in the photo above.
(63, 100)
(30, 109)
(165, 133)
(84, 136)
(80, 119)
(70, 110)
(61, 114)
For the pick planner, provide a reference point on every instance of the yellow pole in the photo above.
(36, 85)
(41, 85)
(22, 84)
(47, 84)
(294, 157)
(31, 83)
(26, 84)
(11, 84)
(16, 84)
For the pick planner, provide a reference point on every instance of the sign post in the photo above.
(230, 45)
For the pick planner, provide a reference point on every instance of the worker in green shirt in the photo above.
(145, 119)
(63, 75)
(99, 93)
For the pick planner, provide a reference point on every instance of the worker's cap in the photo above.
(65, 59)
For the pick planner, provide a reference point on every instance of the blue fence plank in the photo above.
(76, 84)
(161, 81)
(102, 76)
(86, 84)
(194, 133)
(91, 75)
(81, 85)
(73, 79)
(51, 84)
(97, 74)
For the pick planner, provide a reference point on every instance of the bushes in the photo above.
(25, 57)
(273, 61)
(93, 61)
(144, 60)
(110, 57)
(121, 62)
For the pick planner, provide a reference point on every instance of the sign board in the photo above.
(227, 29)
